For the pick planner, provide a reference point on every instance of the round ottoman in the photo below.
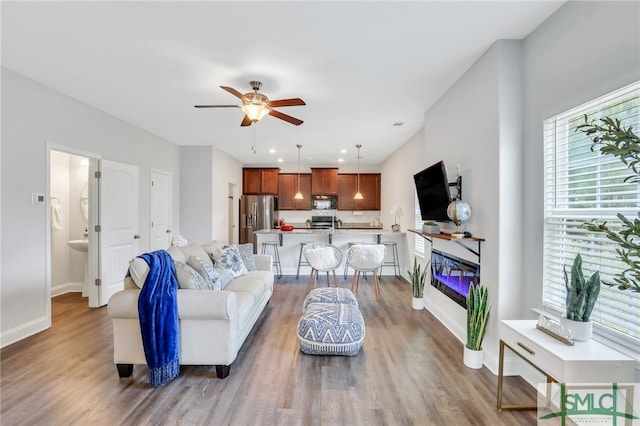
(331, 329)
(329, 295)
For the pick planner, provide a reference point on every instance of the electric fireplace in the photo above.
(453, 275)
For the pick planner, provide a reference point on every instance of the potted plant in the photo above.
(581, 298)
(418, 278)
(611, 138)
(430, 227)
(477, 317)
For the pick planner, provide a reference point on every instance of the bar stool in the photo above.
(366, 258)
(302, 261)
(392, 248)
(348, 260)
(322, 258)
(276, 255)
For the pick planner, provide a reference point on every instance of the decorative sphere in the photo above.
(458, 211)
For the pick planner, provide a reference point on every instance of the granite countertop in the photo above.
(373, 231)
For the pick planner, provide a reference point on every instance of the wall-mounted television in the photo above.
(432, 187)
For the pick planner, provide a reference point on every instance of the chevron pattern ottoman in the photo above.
(329, 295)
(331, 329)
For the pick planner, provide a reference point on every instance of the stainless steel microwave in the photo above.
(324, 202)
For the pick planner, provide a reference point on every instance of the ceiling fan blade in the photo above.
(285, 117)
(235, 93)
(246, 121)
(217, 106)
(286, 102)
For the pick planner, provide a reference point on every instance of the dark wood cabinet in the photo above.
(287, 186)
(256, 181)
(369, 187)
(324, 181)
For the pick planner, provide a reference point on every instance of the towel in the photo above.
(158, 312)
(56, 215)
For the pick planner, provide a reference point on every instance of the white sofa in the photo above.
(213, 323)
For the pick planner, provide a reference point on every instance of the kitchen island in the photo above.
(289, 244)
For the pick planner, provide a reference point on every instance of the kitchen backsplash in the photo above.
(364, 217)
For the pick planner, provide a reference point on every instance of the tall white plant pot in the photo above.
(471, 358)
(417, 303)
(581, 331)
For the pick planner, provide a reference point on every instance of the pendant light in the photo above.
(298, 195)
(358, 195)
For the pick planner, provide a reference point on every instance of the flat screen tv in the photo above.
(432, 187)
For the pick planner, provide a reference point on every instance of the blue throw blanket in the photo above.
(158, 312)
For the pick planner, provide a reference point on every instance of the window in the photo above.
(580, 184)
(419, 241)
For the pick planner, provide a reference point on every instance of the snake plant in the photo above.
(418, 279)
(477, 316)
(581, 293)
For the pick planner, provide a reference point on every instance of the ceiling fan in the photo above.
(256, 105)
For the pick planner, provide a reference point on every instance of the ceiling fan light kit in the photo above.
(255, 105)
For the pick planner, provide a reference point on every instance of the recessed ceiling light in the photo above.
(272, 151)
(398, 123)
(340, 160)
(280, 160)
(343, 151)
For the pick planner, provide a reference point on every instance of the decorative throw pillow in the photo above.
(246, 253)
(224, 274)
(230, 258)
(188, 277)
(207, 271)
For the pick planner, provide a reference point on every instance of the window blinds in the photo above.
(581, 185)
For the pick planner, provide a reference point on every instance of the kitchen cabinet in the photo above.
(369, 187)
(324, 181)
(260, 181)
(287, 186)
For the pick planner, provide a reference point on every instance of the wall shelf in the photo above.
(447, 237)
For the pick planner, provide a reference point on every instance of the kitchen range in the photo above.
(323, 222)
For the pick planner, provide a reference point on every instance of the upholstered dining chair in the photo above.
(366, 258)
(322, 258)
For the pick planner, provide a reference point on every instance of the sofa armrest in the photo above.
(207, 304)
(192, 304)
(264, 262)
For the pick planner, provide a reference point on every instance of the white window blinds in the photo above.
(580, 185)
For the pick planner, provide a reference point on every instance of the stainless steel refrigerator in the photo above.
(257, 212)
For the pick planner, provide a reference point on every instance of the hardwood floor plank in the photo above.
(409, 372)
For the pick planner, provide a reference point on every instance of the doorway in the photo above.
(69, 222)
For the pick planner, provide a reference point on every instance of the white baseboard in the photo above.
(23, 331)
(70, 287)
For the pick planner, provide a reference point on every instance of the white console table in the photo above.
(584, 362)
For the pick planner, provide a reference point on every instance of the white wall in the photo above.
(398, 189)
(32, 116)
(490, 122)
(564, 69)
(226, 170)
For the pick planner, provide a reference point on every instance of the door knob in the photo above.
(137, 237)
(168, 231)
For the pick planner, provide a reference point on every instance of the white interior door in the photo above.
(160, 210)
(118, 219)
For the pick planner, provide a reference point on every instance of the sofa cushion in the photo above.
(188, 277)
(197, 251)
(248, 284)
(138, 269)
(211, 247)
(246, 253)
(208, 272)
(230, 258)
(177, 254)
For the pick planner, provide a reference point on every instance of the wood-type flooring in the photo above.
(409, 372)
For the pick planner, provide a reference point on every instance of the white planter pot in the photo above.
(471, 358)
(581, 331)
(417, 303)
